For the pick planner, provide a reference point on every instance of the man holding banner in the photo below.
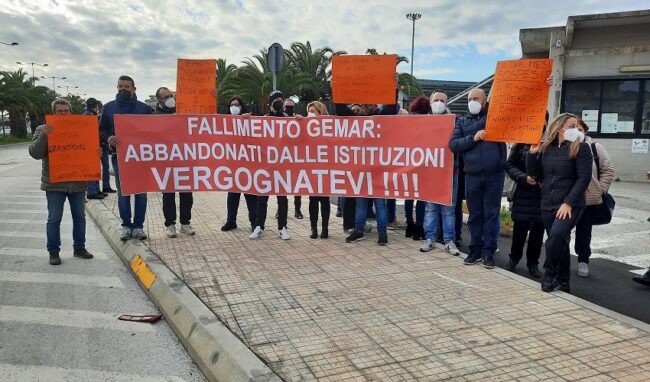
(484, 176)
(125, 102)
(57, 193)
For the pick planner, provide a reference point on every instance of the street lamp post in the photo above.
(413, 17)
(9, 43)
(67, 88)
(53, 77)
(32, 64)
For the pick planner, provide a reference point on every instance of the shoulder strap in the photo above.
(594, 151)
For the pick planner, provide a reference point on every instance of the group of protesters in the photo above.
(575, 174)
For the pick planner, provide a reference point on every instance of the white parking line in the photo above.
(16, 373)
(62, 278)
(29, 252)
(70, 318)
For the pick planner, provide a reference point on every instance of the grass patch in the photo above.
(9, 139)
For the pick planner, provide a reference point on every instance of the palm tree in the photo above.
(41, 98)
(15, 99)
(226, 74)
(316, 65)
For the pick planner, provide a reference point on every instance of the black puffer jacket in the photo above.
(527, 198)
(564, 179)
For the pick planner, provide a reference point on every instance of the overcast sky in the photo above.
(93, 42)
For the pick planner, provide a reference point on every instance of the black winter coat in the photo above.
(527, 199)
(480, 157)
(564, 179)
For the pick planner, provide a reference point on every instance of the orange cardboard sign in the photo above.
(378, 157)
(518, 101)
(365, 79)
(195, 84)
(72, 148)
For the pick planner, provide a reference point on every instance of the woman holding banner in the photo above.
(238, 107)
(562, 165)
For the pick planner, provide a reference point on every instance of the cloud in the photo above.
(93, 43)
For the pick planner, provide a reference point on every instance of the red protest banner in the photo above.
(364, 79)
(195, 84)
(73, 148)
(518, 101)
(380, 157)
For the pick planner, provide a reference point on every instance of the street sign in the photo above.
(276, 58)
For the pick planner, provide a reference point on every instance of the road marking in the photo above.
(16, 373)
(71, 318)
(42, 203)
(9, 210)
(617, 240)
(33, 221)
(27, 196)
(33, 235)
(29, 252)
(62, 278)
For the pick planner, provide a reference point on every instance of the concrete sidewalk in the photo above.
(327, 310)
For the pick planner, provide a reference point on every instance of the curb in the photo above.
(219, 354)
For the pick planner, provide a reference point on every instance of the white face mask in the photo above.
(310, 114)
(235, 110)
(573, 134)
(474, 107)
(170, 103)
(438, 107)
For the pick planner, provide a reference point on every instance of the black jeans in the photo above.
(583, 235)
(349, 207)
(262, 207)
(233, 207)
(535, 233)
(297, 202)
(169, 207)
(106, 175)
(460, 196)
(558, 256)
(324, 202)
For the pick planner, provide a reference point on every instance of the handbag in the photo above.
(509, 187)
(602, 212)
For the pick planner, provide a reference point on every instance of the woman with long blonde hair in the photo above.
(562, 165)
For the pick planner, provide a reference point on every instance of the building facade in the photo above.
(603, 61)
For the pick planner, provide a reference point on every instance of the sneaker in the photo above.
(550, 285)
(583, 270)
(170, 231)
(497, 250)
(534, 271)
(324, 234)
(383, 238)
(564, 287)
(109, 191)
(127, 233)
(339, 213)
(187, 229)
(452, 249)
(284, 234)
(428, 245)
(354, 236)
(314, 233)
(511, 265)
(257, 233)
(55, 259)
(229, 226)
(138, 233)
(488, 262)
(82, 254)
(95, 196)
(298, 214)
(472, 259)
(643, 279)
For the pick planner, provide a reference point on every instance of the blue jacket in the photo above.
(132, 106)
(480, 157)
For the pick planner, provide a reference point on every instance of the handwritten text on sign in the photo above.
(364, 79)
(396, 157)
(518, 101)
(195, 85)
(72, 148)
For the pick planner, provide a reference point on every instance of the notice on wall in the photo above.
(378, 157)
(625, 127)
(364, 79)
(72, 148)
(519, 97)
(640, 146)
(195, 86)
(590, 115)
(609, 123)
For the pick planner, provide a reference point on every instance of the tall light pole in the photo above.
(53, 77)
(67, 88)
(413, 17)
(9, 43)
(32, 64)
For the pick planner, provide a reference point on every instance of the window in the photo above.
(610, 107)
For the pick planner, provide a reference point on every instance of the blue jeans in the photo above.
(55, 202)
(419, 211)
(483, 194)
(361, 214)
(390, 207)
(106, 175)
(124, 202)
(432, 223)
(93, 188)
